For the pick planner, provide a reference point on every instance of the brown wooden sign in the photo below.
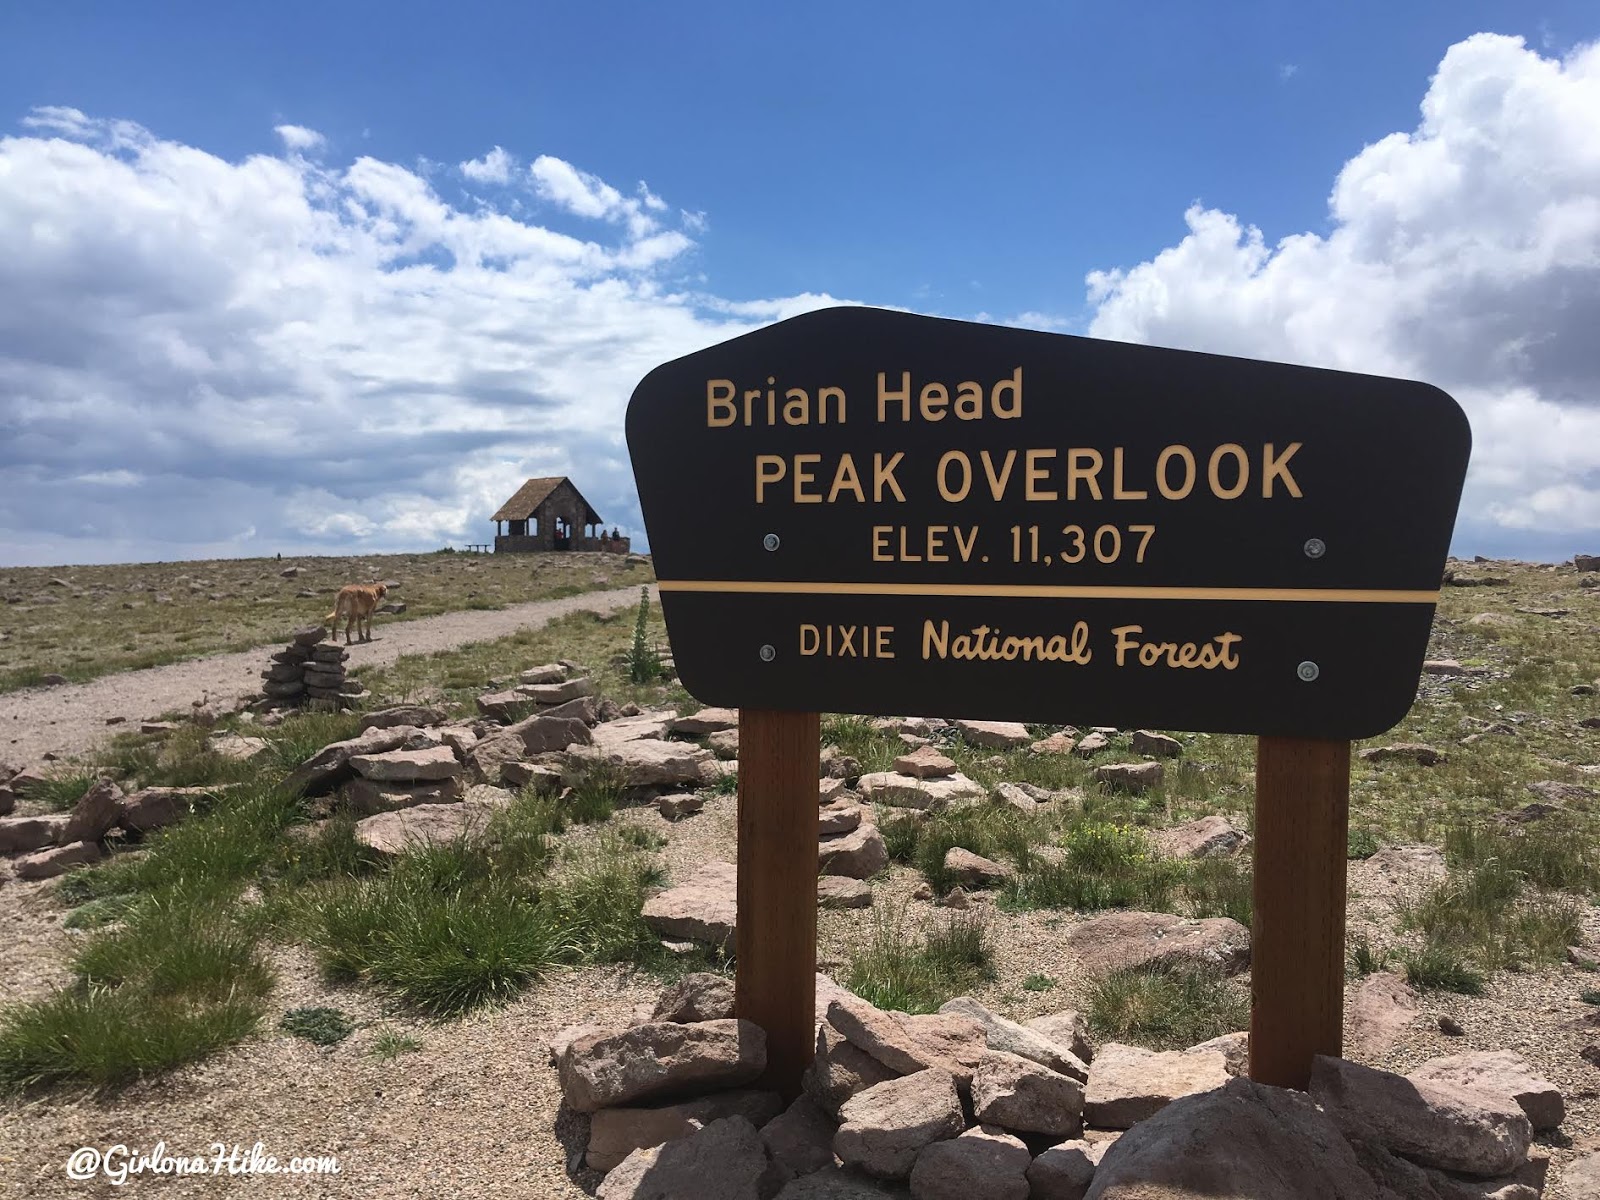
(858, 510)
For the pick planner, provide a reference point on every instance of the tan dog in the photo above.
(356, 602)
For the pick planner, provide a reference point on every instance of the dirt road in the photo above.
(71, 719)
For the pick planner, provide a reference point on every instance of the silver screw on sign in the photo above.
(1308, 671)
(1315, 547)
(768, 653)
(770, 542)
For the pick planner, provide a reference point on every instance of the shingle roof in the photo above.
(534, 493)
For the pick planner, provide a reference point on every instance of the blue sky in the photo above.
(973, 163)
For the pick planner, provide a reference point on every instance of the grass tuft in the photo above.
(1166, 1007)
(324, 1026)
(916, 971)
(1437, 968)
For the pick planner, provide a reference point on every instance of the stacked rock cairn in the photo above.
(309, 672)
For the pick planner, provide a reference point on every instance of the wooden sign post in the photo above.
(874, 512)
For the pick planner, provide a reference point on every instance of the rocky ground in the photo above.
(483, 1106)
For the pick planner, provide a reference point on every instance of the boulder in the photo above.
(646, 727)
(615, 1133)
(241, 749)
(1020, 1095)
(707, 720)
(418, 715)
(564, 1039)
(460, 738)
(1411, 752)
(724, 744)
(548, 694)
(1502, 1074)
(1056, 743)
(549, 732)
(859, 854)
(22, 835)
(407, 766)
(1030, 1043)
(701, 908)
(27, 782)
(839, 817)
(1434, 1124)
(47, 864)
(902, 791)
(1581, 1178)
(1241, 1140)
(839, 1069)
(646, 763)
(1091, 744)
(1129, 1084)
(1064, 1171)
(505, 706)
(545, 673)
(583, 709)
(1157, 745)
(837, 891)
(8, 800)
(488, 759)
(1130, 777)
(800, 1139)
(1382, 1008)
(700, 996)
(659, 1059)
(830, 790)
(95, 813)
(1135, 939)
(723, 1161)
(1067, 1029)
(1209, 837)
(884, 1128)
(993, 735)
(546, 781)
(981, 1164)
(1554, 792)
(393, 833)
(925, 763)
(154, 807)
(367, 797)
(833, 1183)
(1235, 1051)
(1424, 862)
(1012, 795)
(906, 1044)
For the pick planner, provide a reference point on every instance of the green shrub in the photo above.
(1360, 843)
(596, 793)
(1364, 960)
(643, 663)
(389, 1044)
(915, 970)
(1437, 968)
(324, 1026)
(1220, 887)
(60, 791)
(1105, 866)
(1166, 1007)
(1038, 983)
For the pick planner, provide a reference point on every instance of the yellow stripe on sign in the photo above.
(1053, 591)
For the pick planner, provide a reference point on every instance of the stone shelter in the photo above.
(551, 514)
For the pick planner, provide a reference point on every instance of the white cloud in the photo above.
(1465, 253)
(1287, 71)
(202, 357)
(299, 138)
(494, 167)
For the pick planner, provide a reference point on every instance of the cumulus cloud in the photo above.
(204, 357)
(299, 138)
(494, 167)
(1465, 252)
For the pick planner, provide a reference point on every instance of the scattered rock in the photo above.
(995, 735)
(393, 833)
(1235, 1051)
(1431, 1123)
(615, 1133)
(1209, 837)
(707, 720)
(1012, 795)
(1067, 1029)
(829, 790)
(1130, 777)
(330, 766)
(885, 1127)
(1026, 1041)
(155, 807)
(1063, 1172)
(367, 797)
(893, 788)
(700, 996)
(95, 813)
(1503, 1074)
(1128, 1084)
(658, 1059)
(1572, 794)
(981, 1164)
(242, 749)
(548, 694)
(1022, 1096)
(1581, 1178)
(1091, 745)
(702, 908)
(1412, 752)
(1424, 862)
(1382, 1009)
(839, 1070)
(838, 817)
(647, 763)
(925, 763)
(800, 1140)
(407, 766)
(834, 891)
(1157, 744)
(860, 854)
(723, 1161)
(47, 864)
(418, 715)
(1450, 1027)
(1056, 743)
(547, 673)
(906, 1044)
(1129, 939)
(679, 805)
(973, 870)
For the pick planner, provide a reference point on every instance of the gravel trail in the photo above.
(71, 719)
